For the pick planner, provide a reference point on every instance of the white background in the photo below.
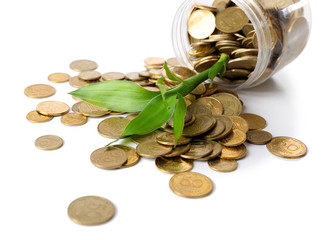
(265, 198)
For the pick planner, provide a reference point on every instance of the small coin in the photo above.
(199, 90)
(210, 90)
(198, 108)
(52, 108)
(182, 72)
(254, 121)
(188, 117)
(287, 147)
(241, 52)
(154, 61)
(113, 127)
(132, 156)
(258, 137)
(191, 185)
(231, 104)
(113, 76)
(83, 65)
(144, 74)
(173, 165)
(221, 4)
(234, 153)
(216, 131)
(222, 36)
(91, 210)
(179, 150)
(222, 165)
(76, 82)
(169, 139)
(247, 28)
(58, 77)
(245, 62)
(205, 64)
(237, 74)
(90, 110)
(214, 135)
(108, 157)
(202, 124)
(49, 142)
(89, 75)
(201, 24)
(36, 117)
(239, 123)
(200, 148)
(39, 91)
(231, 20)
(217, 149)
(135, 76)
(214, 104)
(152, 149)
(73, 119)
(150, 137)
(75, 107)
(235, 138)
(155, 73)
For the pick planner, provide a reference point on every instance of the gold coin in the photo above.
(155, 73)
(179, 150)
(201, 24)
(90, 110)
(225, 43)
(202, 124)
(188, 117)
(91, 210)
(210, 90)
(108, 157)
(89, 75)
(222, 165)
(134, 76)
(234, 138)
(49, 142)
(227, 128)
(58, 77)
(254, 121)
(214, 104)
(237, 73)
(191, 185)
(144, 74)
(220, 4)
(169, 139)
(199, 148)
(75, 107)
(199, 108)
(246, 62)
(113, 76)
(182, 72)
(258, 137)
(76, 82)
(36, 117)
(287, 147)
(217, 149)
(227, 49)
(171, 62)
(152, 149)
(150, 88)
(247, 28)
(222, 36)
(239, 123)
(113, 127)
(73, 119)
(234, 153)
(173, 165)
(83, 65)
(205, 64)
(199, 90)
(150, 67)
(201, 49)
(231, 20)
(132, 156)
(150, 137)
(216, 131)
(52, 108)
(39, 91)
(231, 104)
(154, 61)
(241, 52)
(116, 113)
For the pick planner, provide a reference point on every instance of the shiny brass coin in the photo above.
(108, 157)
(39, 91)
(220, 37)
(205, 64)
(36, 117)
(143, 83)
(150, 137)
(73, 119)
(213, 135)
(214, 104)
(199, 108)
(183, 72)
(155, 73)
(58, 77)
(241, 52)
(49, 142)
(201, 24)
(204, 7)
(222, 165)
(246, 62)
(75, 107)
(78, 83)
(247, 28)
(83, 65)
(190, 122)
(173, 165)
(258, 137)
(202, 124)
(216, 131)
(144, 74)
(91, 210)
(239, 123)
(171, 62)
(199, 90)
(188, 117)
(52, 108)
(237, 73)
(234, 153)
(220, 4)
(254, 121)
(231, 20)
(227, 49)
(287, 147)
(90, 110)
(169, 139)
(246, 41)
(132, 156)
(200, 148)
(134, 76)
(231, 104)
(112, 127)
(154, 61)
(225, 43)
(179, 150)
(150, 88)
(152, 149)
(217, 149)
(235, 138)
(113, 76)
(210, 90)
(202, 49)
(150, 67)
(191, 185)
(89, 75)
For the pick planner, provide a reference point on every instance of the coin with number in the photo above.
(49, 142)
(91, 210)
(191, 185)
(287, 147)
(108, 157)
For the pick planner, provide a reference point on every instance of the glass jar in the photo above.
(282, 28)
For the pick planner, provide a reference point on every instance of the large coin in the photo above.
(108, 157)
(173, 165)
(52, 108)
(231, 104)
(231, 20)
(287, 147)
(112, 127)
(91, 210)
(152, 149)
(191, 185)
(201, 24)
(254, 121)
(39, 91)
(49, 142)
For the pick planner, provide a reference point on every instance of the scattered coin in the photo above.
(222, 165)
(108, 157)
(254, 121)
(169, 139)
(154, 61)
(287, 147)
(215, 135)
(52, 108)
(173, 165)
(58, 77)
(49, 142)
(214, 104)
(132, 156)
(73, 119)
(113, 127)
(234, 153)
(90, 110)
(91, 210)
(234, 138)
(150, 137)
(89, 75)
(179, 150)
(36, 117)
(39, 91)
(258, 137)
(231, 104)
(113, 76)
(83, 65)
(152, 149)
(200, 148)
(76, 82)
(202, 124)
(217, 149)
(75, 107)
(239, 123)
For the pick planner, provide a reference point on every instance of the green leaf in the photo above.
(218, 68)
(161, 86)
(170, 75)
(116, 95)
(179, 115)
(153, 116)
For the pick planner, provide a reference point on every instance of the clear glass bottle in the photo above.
(282, 28)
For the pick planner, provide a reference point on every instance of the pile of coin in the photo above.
(222, 28)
